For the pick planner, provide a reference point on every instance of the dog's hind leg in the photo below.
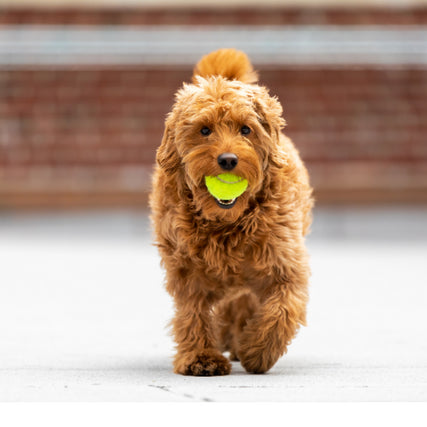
(231, 316)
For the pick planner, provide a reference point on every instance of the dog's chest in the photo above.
(231, 258)
(222, 252)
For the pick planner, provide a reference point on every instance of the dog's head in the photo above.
(222, 123)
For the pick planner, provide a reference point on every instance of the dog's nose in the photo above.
(227, 161)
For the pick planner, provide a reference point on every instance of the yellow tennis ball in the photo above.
(226, 186)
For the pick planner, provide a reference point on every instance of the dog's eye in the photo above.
(205, 131)
(245, 130)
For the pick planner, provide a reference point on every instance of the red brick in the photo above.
(217, 16)
(356, 128)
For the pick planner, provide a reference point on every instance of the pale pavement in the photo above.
(83, 313)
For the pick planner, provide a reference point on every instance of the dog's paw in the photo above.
(256, 362)
(203, 363)
(233, 356)
(257, 356)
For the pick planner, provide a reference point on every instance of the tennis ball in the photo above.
(226, 186)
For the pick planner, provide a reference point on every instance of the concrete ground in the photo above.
(83, 313)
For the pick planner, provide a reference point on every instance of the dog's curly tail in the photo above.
(230, 63)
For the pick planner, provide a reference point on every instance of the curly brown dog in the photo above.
(237, 269)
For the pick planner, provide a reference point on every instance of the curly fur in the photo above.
(238, 276)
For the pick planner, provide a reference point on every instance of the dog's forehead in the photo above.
(216, 96)
(216, 91)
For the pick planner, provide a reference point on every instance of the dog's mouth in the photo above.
(226, 188)
(226, 204)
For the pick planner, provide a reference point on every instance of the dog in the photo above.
(237, 269)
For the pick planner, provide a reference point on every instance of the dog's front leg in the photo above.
(268, 333)
(196, 348)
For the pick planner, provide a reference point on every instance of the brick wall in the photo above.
(216, 16)
(86, 135)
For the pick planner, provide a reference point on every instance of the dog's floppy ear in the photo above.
(269, 112)
(167, 156)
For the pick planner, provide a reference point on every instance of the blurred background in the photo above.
(85, 87)
(84, 90)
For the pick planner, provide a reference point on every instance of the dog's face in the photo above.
(220, 126)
